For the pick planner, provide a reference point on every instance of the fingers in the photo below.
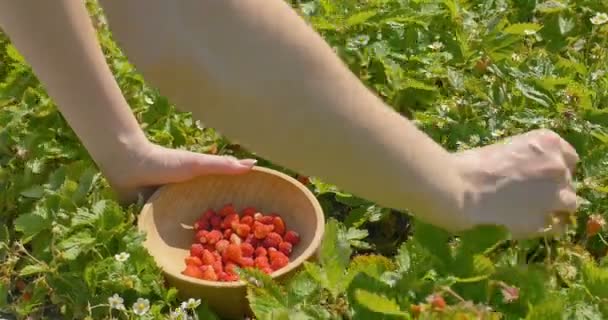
(213, 164)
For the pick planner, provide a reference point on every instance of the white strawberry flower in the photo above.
(599, 18)
(141, 306)
(116, 302)
(122, 257)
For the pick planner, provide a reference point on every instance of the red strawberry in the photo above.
(437, 302)
(193, 271)
(246, 262)
(260, 230)
(231, 277)
(267, 270)
(201, 224)
(221, 245)
(233, 253)
(261, 262)
(230, 268)
(207, 258)
(221, 275)
(195, 261)
(249, 211)
(242, 230)
(215, 222)
(248, 220)
(196, 250)
(227, 233)
(214, 236)
(273, 239)
(267, 219)
(209, 273)
(247, 249)
(229, 220)
(595, 224)
(234, 238)
(261, 252)
(226, 210)
(207, 215)
(279, 261)
(279, 225)
(201, 236)
(218, 266)
(285, 247)
(292, 237)
(257, 216)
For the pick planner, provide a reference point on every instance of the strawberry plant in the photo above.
(468, 73)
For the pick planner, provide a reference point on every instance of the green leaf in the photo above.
(33, 269)
(548, 310)
(334, 255)
(481, 238)
(378, 303)
(360, 17)
(32, 223)
(595, 279)
(522, 28)
(35, 192)
(14, 54)
(72, 246)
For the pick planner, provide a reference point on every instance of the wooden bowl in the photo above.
(168, 216)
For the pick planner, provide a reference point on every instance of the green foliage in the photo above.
(469, 73)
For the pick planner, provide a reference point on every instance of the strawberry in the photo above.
(229, 220)
(261, 230)
(207, 258)
(267, 220)
(278, 260)
(231, 277)
(267, 270)
(233, 253)
(207, 215)
(234, 238)
(195, 261)
(201, 224)
(227, 233)
(248, 220)
(201, 236)
(221, 275)
(249, 211)
(215, 222)
(209, 273)
(436, 301)
(595, 224)
(279, 225)
(230, 268)
(214, 236)
(193, 271)
(257, 216)
(242, 230)
(273, 239)
(247, 249)
(218, 266)
(292, 237)
(285, 247)
(196, 250)
(246, 262)
(261, 262)
(260, 252)
(226, 210)
(221, 245)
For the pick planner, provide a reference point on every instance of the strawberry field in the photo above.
(469, 73)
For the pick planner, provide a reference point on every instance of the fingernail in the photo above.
(248, 162)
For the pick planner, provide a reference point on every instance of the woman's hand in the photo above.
(524, 184)
(148, 166)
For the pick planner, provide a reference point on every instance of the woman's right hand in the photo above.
(524, 184)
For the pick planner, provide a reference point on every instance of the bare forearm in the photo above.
(59, 42)
(256, 72)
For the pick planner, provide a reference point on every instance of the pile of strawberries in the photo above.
(225, 240)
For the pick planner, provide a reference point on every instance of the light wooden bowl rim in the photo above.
(146, 212)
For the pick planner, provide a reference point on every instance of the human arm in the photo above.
(58, 40)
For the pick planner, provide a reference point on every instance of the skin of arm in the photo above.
(59, 42)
